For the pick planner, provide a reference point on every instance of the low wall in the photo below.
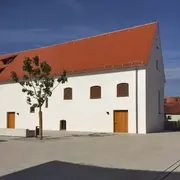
(17, 132)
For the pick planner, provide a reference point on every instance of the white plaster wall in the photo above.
(81, 113)
(14, 100)
(155, 81)
(141, 101)
(16, 132)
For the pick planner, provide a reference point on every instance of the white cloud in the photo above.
(172, 73)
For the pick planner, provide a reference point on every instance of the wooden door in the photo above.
(10, 120)
(121, 121)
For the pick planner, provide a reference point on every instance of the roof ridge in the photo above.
(102, 34)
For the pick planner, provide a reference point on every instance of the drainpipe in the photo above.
(136, 100)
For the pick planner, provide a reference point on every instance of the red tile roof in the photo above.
(172, 108)
(174, 99)
(123, 48)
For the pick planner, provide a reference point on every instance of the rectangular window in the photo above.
(157, 64)
(159, 102)
(32, 109)
(68, 93)
(46, 103)
(157, 43)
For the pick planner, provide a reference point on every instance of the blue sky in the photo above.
(37, 23)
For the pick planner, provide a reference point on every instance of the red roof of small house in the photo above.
(172, 108)
(170, 99)
(119, 49)
(172, 105)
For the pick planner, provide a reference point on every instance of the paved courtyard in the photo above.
(84, 156)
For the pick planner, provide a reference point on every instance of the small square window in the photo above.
(32, 109)
(157, 64)
(157, 43)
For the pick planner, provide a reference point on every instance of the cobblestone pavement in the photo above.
(102, 156)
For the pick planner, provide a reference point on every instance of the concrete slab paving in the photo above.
(109, 156)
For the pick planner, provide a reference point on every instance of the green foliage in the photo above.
(63, 78)
(36, 60)
(14, 77)
(45, 67)
(37, 82)
(28, 100)
(27, 66)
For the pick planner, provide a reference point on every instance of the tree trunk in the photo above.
(40, 124)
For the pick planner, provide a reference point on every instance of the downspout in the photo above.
(136, 100)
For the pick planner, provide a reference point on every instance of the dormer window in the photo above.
(1, 69)
(8, 60)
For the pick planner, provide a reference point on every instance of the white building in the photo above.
(116, 80)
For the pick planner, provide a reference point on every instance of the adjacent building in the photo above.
(172, 108)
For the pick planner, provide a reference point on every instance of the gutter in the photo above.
(136, 100)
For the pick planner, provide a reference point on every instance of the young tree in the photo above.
(38, 84)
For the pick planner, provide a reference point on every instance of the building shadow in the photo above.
(2, 140)
(94, 135)
(57, 170)
(45, 138)
(65, 137)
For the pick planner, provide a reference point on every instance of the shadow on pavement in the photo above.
(57, 170)
(3, 140)
(93, 135)
(45, 138)
(66, 137)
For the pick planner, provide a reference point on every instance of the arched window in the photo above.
(62, 125)
(95, 92)
(68, 93)
(122, 90)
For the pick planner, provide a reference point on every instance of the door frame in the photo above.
(122, 110)
(7, 118)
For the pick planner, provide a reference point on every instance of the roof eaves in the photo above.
(94, 70)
